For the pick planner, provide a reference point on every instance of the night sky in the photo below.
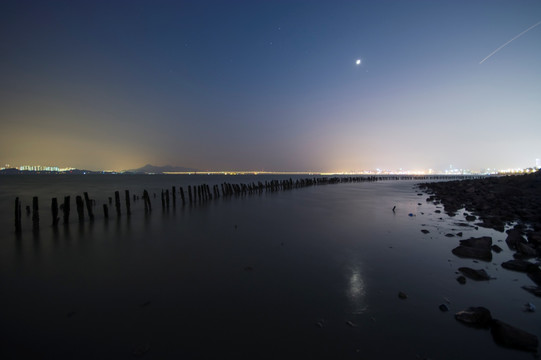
(270, 85)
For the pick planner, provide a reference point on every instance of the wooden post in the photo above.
(66, 209)
(167, 198)
(190, 193)
(18, 227)
(54, 210)
(182, 195)
(35, 214)
(117, 203)
(80, 208)
(163, 202)
(105, 211)
(128, 209)
(89, 206)
(146, 199)
(174, 193)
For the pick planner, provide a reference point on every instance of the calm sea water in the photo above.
(307, 273)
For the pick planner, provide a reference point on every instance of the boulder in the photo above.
(478, 317)
(496, 249)
(512, 337)
(461, 279)
(473, 253)
(518, 265)
(514, 237)
(526, 250)
(484, 242)
(474, 274)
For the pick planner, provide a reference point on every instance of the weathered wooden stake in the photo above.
(66, 209)
(54, 210)
(105, 211)
(88, 203)
(146, 199)
(173, 192)
(18, 227)
(35, 214)
(128, 209)
(190, 193)
(80, 208)
(167, 198)
(182, 195)
(117, 203)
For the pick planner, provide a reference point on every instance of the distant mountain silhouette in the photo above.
(151, 169)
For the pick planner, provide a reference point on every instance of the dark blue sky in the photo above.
(270, 85)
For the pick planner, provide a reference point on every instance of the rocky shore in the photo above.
(510, 204)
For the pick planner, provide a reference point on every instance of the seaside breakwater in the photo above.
(195, 195)
(510, 204)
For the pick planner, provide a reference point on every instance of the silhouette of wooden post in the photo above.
(182, 195)
(80, 208)
(117, 203)
(35, 214)
(66, 209)
(163, 201)
(105, 211)
(190, 193)
(146, 199)
(128, 208)
(173, 192)
(18, 227)
(54, 210)
(167, 198)
(89, 206)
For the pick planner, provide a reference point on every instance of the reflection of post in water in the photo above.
(35, 214)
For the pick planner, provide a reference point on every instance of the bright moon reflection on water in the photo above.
(358, 62)
(356, 290)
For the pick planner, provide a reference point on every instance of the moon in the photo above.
(358, 62)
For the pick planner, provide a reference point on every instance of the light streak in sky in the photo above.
(516, 37)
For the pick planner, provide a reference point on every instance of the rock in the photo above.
(351, 324)
(496, 249)
(518, 265)
(444, 307)
(450, 235)
(536, 290)
(402, 295)
(526, 250)
(473, 274)
(424, 231)
(512, 337)
(461, 279)
(459, 234)
(529, 307)
(479, 317)
(473, 253)
(514, 237)
(484, 242)
(437, 211)
(471, 218)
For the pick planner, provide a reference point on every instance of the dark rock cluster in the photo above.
(495, 200)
